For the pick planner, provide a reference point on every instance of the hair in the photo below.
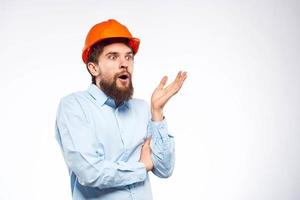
(96, 50)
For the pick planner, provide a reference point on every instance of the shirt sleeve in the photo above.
(85, 156)
(162, 146)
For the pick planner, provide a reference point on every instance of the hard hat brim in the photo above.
(134, 43)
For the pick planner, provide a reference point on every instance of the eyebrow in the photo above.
(116, 53)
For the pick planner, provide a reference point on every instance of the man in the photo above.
(109, 140)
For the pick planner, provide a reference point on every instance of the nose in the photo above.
(124, 64)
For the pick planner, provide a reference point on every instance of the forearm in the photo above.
(163, 149)
(95, 172)
(164, 159)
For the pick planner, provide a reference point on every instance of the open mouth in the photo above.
(123, 77)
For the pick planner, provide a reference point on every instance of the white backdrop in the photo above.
(236, 120)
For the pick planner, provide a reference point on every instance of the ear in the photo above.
(93, 69)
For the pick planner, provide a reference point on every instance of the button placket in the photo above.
(119, 127)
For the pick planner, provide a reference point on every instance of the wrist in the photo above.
(157, 114)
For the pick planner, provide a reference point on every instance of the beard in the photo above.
(116, 93)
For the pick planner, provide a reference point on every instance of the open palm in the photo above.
(162, 94)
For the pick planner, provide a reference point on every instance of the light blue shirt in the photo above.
(101, 145)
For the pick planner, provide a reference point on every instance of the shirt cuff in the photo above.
(142, 172)
(160, 128)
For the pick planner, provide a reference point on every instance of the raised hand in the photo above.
(161, 94)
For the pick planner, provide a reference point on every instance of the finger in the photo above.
(175, 86)
(185, 76)
(182, 78)
(177, 79)
(163, 82)
(177, 82)
(148, 140)
(178, 76)
(180, 83)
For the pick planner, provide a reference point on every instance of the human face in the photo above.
(116, 62)
(115, 69)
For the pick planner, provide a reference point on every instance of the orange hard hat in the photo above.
(108, 29)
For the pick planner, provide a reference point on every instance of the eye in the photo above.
(112, 57)
(129, 57)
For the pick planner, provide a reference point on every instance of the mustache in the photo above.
(122, 73)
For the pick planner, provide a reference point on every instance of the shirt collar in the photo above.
(102, 98)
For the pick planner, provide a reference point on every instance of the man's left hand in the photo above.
(162, 95)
